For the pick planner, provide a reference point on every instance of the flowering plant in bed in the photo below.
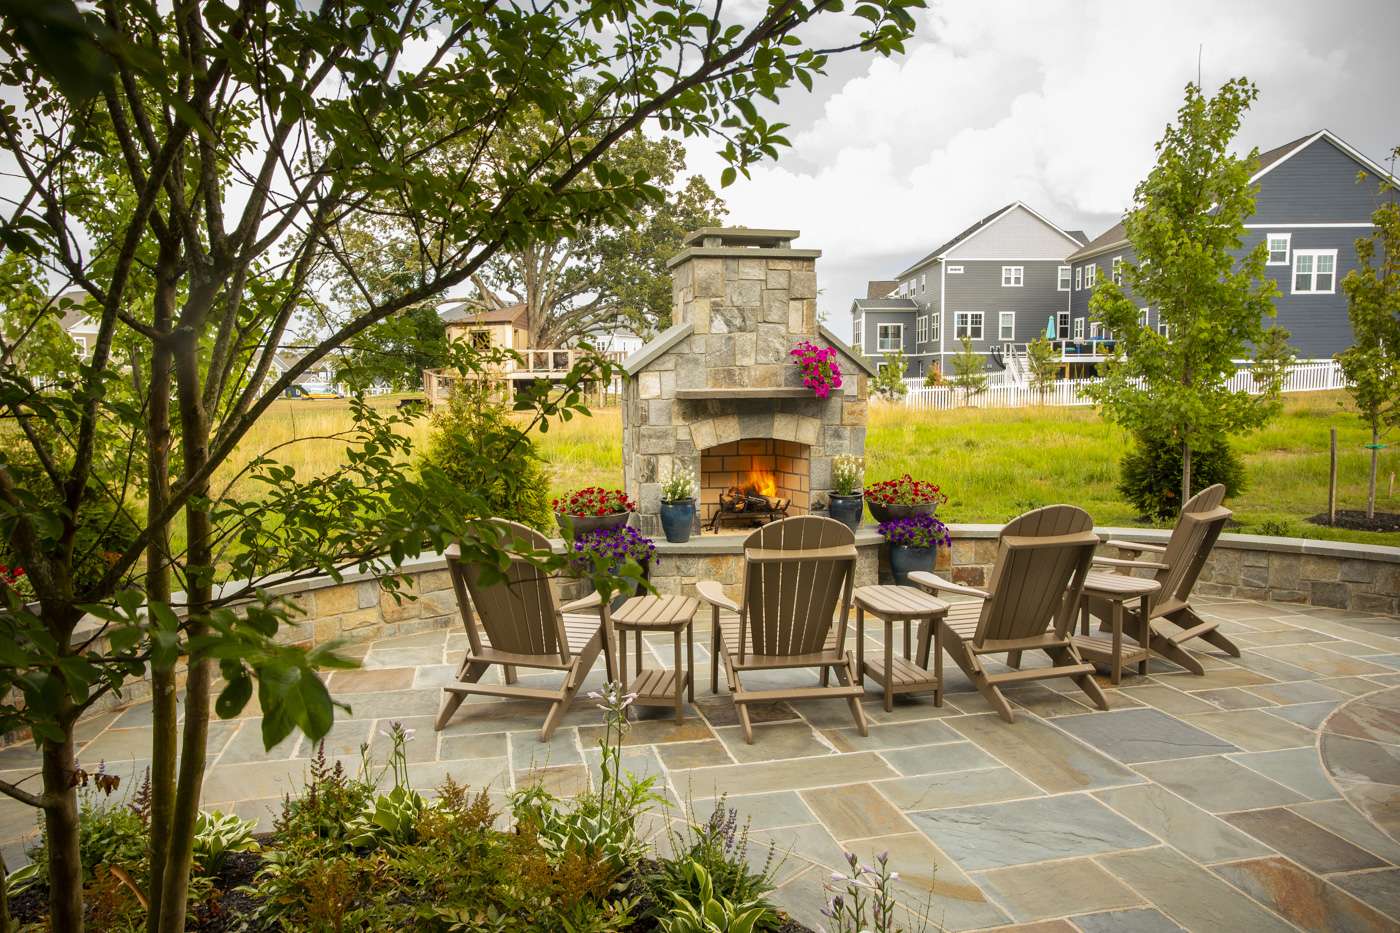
(820, 371)
(914, 543)
(608, 550)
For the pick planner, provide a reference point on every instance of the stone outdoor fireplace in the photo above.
(719, 393)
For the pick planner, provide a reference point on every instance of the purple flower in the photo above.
(916, 531)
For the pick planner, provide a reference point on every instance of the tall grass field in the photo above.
(993, 463)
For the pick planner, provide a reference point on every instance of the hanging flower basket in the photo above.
(820, 371)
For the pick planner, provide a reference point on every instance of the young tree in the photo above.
(1186, 227)
(969, 371)
(1372, 362)
(1042, 365)
(190, 168)
(889, 382)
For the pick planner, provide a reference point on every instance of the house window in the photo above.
(1095, 330)
(1117, 270)
(480, 339)
(1278, 248)
(955, 270)
(1091, 274)
(1079, 328)
(923, 280)
(1078, 278)
(1142, 318)
(1314, 271)
(923, 328)
(1164, 329)
(1062, 278)
(1062, 325)
(82, 347)
(1012, 276)
(935, 325)
(967, 324)
(1006, 326)
(889, 337)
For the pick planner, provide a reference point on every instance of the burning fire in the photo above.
(762, 482)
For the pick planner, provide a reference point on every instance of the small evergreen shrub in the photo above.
(1151, 475)
(477, 445)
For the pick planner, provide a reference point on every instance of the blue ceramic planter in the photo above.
(848, 510)
(905, 560)
(677, 519)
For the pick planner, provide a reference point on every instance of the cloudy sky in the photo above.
(1056, 103)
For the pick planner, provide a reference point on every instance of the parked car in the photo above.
(313, 390)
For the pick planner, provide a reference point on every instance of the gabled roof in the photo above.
(464, 312)
(866, 366)
(884, 304)
(985, 222)
(1116, 235)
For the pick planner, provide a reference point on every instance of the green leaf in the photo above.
(234, 697)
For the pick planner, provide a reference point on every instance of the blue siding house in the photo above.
(1310, 209)
(999, 282)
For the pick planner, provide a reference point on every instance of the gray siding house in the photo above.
(1310, 209)
(999, 282)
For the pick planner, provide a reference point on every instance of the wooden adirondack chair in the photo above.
(1029, 604)
(525, 626)
(1176, 567)
(796, 573)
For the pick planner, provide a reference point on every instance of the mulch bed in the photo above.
(1357, 521)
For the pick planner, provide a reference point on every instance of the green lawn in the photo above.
(993, 463)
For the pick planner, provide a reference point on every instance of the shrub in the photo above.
(476, 444)
(718, 847)
(1151, 474)
(889, 381)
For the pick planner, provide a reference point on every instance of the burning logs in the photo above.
(736, 503)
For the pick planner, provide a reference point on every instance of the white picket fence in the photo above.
(1303, 376)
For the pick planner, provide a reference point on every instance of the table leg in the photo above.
(638, 634)
(1117, 641)
(690, 660)
(622, 656)
(907, 623)
(680, 712)
(860, 643)
(1144, 636)
(889, 664)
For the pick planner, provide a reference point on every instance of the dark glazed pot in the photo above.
(883, 513)
(905, 560)
(848, 510)
(677, 520)
(582, 524)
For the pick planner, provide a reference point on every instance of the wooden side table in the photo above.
(907, 674)
(1116, 589)
(658, 686)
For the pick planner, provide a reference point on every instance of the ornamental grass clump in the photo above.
(916, 531)
(905, 491)
(820, 371)
(593, 501)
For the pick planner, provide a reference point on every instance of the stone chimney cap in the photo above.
(740, 236)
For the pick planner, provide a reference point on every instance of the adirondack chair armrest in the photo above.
(593, 600)
(936, 584)
(710, 591)
(1134, 564)
(1136, 546)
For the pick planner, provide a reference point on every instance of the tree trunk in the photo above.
(1185, 473)
(1371, 483)
(61, 829)
(194, 438)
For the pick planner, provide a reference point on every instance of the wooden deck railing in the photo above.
(534, 363)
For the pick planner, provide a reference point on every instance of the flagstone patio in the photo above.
(1262, 796)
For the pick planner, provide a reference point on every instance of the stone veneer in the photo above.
(722, 373)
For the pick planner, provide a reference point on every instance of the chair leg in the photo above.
(856, 709)
(1221, 642)
(1065, 656)
(994, 696)
(1176, 654)
(508, 673)
(1013, 660)
(469, 673)
(715, 647)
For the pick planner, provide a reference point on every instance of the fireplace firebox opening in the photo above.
(747, 483)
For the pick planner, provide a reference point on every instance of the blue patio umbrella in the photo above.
(1050, 328)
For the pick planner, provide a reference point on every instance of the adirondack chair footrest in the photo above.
(1039, 673)
(1185, 634)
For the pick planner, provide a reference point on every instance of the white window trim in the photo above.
(1003, 318)
(1164, 329)
(1062, 276)
(1079, 328)
(1096, 331)
(980, 327)
(1062, 325)
(1091, 274)
(1287, 239)
(1144, 317)
(923, 281)
(1312, 278)
(922, 329)
(880, 341)
(1013, 276)
(935, 324)
(955, 270)
(1117, 272)
(1078, 278)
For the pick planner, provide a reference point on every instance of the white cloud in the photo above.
(1056, 103)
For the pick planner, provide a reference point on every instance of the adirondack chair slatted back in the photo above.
(519, 614)
(1042, 558)
(1202, 519)
(789, 605)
